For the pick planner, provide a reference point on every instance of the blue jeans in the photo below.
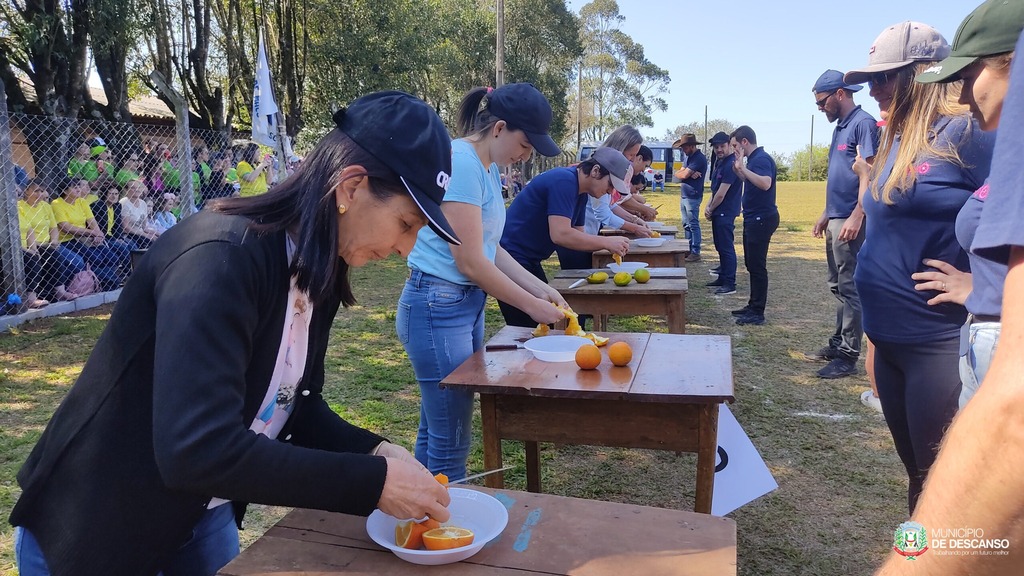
(976, 356)
(441, 324)
(690, 209)
(658, 184)
(214, 543)
(723, 230)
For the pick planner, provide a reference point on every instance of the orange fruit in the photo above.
(588, 357)
(620, 353)
(597, 340)
(541, 330)
(617, 258)
(409, 534)
(447, 537)
(442, 479)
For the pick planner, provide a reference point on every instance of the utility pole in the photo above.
(579, 110)
(810, 151)
(499, 52)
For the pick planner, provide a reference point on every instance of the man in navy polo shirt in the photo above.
(691, 177)
(841, 223)
(551, 211)
(756, 168)
(722, 210)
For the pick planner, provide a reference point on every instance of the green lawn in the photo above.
(841, 487)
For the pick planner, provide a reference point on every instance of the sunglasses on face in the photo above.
(822, 102)
(880, 79)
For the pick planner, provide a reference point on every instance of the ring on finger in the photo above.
(944, 287)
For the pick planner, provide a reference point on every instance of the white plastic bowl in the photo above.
(480, 513)
(650, 242)
(555, 348)
(627, 267)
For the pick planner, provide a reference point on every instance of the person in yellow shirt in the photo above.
(48, 265)
(80, 233)
(254, 175)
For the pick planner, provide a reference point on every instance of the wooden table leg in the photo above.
(707, 450)
(601, 323)
(677, 316)
(532, 467)
(492, 442)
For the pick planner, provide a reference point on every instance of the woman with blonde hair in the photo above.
(931, 158)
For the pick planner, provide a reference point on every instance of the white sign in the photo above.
(741, 475)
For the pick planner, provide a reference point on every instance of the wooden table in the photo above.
(664, 230)
(666, 399)
(663, 295)
(668, 255)
(545, 535)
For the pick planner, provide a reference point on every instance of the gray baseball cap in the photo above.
(619, 169)
(899, 45)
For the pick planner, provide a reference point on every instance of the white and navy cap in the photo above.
(406, 135)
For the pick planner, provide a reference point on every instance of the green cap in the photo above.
(993, 28)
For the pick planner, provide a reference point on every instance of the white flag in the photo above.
(264, 108)
(741, 475)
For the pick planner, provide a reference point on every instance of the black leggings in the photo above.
(919, 386)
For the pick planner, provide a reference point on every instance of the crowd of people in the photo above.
(921, 226)
(78, 233)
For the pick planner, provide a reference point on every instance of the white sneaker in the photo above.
(869, 399)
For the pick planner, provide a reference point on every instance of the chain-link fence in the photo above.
(81, 198)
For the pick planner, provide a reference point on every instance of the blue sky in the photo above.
(754, 62)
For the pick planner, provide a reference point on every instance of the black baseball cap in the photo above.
(719, 138)
(406, 135)
(524, 108)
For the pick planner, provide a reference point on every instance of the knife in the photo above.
(579, 282)
(480, 475)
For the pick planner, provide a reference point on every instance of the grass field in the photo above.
(842, 490)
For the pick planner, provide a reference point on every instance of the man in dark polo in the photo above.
(842, 222)
(722, 210)
(691, 183)
(756, 168)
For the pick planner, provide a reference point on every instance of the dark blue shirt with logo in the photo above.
(725, 174)
(858, 128)
(759, 203)
(919, 225)
(527, 236)
(986, 298)
(694, 187)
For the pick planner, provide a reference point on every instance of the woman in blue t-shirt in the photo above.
(931, 158)
(440, 318)
(985, 72)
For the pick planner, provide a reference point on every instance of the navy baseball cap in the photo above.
(719, 138)
(524, 108)
(406, 135)
(832, 80)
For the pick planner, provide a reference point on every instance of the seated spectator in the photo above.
(130, 170)
(220, 184)
(107, 213)
(169, 172)
(49, 266)
(153, 174)
(659, 182)
(135, 216)
(164, 217)
(80, 234)
(201, 172)
(78, 163)
(254, 174)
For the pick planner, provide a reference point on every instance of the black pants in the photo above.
(514, 316)
(919, 386)
(757, 234)
(723, 231)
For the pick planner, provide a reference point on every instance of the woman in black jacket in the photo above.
(135, 472)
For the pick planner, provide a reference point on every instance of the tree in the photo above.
(781, 166)
(619, 84)
(816, 157)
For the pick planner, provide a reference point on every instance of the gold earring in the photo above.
(342, 208)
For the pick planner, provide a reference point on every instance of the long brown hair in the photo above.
(306, 200)
(914, 109)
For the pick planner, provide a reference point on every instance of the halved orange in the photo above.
(442, 478)
(617, 258)
(409, 534)
(446, 538)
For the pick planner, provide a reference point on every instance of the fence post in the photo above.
(186, 204)
(12, 266)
